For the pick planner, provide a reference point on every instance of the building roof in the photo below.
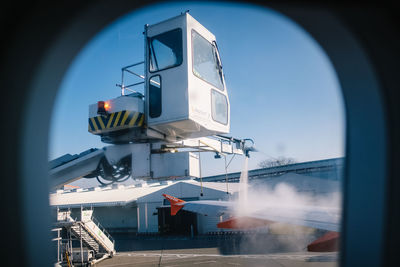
(332, 167)
(120, 195)
(302, 183)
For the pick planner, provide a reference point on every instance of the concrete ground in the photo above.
(217, 251)
(211, 257)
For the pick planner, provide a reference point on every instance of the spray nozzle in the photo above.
(248, 148)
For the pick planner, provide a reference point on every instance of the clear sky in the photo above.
(283, 90)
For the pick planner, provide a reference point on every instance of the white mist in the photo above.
(243, 188)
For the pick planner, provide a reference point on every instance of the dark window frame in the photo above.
(149, 45)
(160, 96)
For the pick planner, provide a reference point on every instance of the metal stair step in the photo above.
(86, 237)
(80, 231)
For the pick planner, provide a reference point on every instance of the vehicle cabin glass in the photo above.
(219, 107)
(155, 101)
(165, 50)
(206, 62)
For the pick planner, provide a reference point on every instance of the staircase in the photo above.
(93, 235)
(78, 229)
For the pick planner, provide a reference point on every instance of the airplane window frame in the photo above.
(368, 133)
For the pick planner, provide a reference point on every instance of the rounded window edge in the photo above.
(194, 73)
(159, 114)
(169, 67)
(212, 107)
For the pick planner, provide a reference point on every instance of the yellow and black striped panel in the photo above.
(115, 121)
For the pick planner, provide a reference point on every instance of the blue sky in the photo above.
(283, 90)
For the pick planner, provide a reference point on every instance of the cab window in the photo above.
(206, 63)
(165, 50)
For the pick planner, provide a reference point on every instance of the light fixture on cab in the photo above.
(184, 89)
(177, 107)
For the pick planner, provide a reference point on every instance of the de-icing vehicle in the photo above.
(159, 133)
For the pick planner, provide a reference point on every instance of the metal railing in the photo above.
(58, 239)
(103, 229)
(64, 247)
(128, 69)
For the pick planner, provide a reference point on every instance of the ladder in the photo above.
(92, 235)
(78, 230)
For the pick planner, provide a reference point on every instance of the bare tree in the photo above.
(281, 161)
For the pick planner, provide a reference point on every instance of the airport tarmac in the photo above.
(250, 249)
(212, 257)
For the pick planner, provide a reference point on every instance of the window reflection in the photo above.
(165, 50)
(219, 108)
(206, 64)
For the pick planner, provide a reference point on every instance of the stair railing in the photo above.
(103, 229)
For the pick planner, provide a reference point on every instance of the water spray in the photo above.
(247, 149)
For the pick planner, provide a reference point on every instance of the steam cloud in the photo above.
(282, 198)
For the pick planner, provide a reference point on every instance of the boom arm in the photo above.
(114, 163)
(69, 168)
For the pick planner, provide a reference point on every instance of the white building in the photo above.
(142, 208)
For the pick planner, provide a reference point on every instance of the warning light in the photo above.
(102, 107)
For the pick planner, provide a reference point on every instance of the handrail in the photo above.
(133, 65)
(131, 85)
(103, 229)
(95, 236)
(134, 73)
(126, 69)
(58, 239)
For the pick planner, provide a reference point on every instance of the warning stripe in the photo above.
(124, 118)
(99, 119)
(94, 124)
(131, 114)
(110, 120)
(140, 123)
(91, 126)
(117, 119)
(133, 120)
(120, 119)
